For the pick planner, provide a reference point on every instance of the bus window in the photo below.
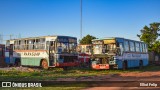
(132, 46)
(146, 48)
(143, 48)
(62, 47)
(137, 47)
(140, 47)
(121, 48)
(126, 46)
(72, 47)
(52, 45)
(111, 48)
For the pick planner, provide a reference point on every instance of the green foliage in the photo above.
(156, 47)
(149, 35)
(87, 39)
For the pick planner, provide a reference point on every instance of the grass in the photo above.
(55, 73)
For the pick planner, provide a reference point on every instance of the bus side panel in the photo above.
(145, 62)
(145, 59)
(31, 61)
(133, 61)
(7, 59)
(120, 63)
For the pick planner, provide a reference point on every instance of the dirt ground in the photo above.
(123, 81)
(149, 80)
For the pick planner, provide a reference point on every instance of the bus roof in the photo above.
(45, 37)
(108, 38)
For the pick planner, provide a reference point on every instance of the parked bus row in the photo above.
(63, 51)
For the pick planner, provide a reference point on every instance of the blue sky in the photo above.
(101, 18)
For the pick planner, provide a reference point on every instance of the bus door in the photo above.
(51, 53)
(11, 54)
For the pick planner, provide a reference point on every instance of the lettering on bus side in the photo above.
(136, 55)
(31, 54)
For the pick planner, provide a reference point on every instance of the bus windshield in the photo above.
(97, 46)
(106, 47)
(97, 49)
(110, 48)
(66, 47)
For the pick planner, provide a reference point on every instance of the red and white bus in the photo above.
(84, 53)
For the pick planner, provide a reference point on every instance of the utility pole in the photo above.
(19, 36)
(11, 36)
(81, 18)
(1, 38)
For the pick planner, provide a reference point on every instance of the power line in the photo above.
(11, 36)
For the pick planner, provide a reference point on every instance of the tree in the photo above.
(87, 39)
(156, 47)
(150, 34)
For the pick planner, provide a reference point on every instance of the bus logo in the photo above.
(6, 84)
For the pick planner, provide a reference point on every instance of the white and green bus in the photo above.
(44, 51)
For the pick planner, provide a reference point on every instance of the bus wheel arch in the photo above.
(44, 63)
(124, 65)
(140, 64)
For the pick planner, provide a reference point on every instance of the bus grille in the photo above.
(70, 58)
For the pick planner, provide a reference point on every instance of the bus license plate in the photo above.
(102, 67)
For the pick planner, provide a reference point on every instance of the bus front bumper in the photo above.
(100, 66)
(67, 64)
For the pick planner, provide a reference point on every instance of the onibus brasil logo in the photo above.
(19, 84)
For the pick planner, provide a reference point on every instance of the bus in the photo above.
(85, 48)
(84, 52)
(43, 51)
(118, 53)
(2, 55)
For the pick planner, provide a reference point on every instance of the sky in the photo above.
(101, 18)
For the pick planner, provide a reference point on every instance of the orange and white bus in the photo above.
(44, 51)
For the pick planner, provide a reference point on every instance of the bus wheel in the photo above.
(124, 65)
(18, 62)
(44, 64)
(140, 64)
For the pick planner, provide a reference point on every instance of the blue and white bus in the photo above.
(119, 53)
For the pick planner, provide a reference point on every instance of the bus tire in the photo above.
(65, 68)
(140, 64)
(124, 65)
(44, 64)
